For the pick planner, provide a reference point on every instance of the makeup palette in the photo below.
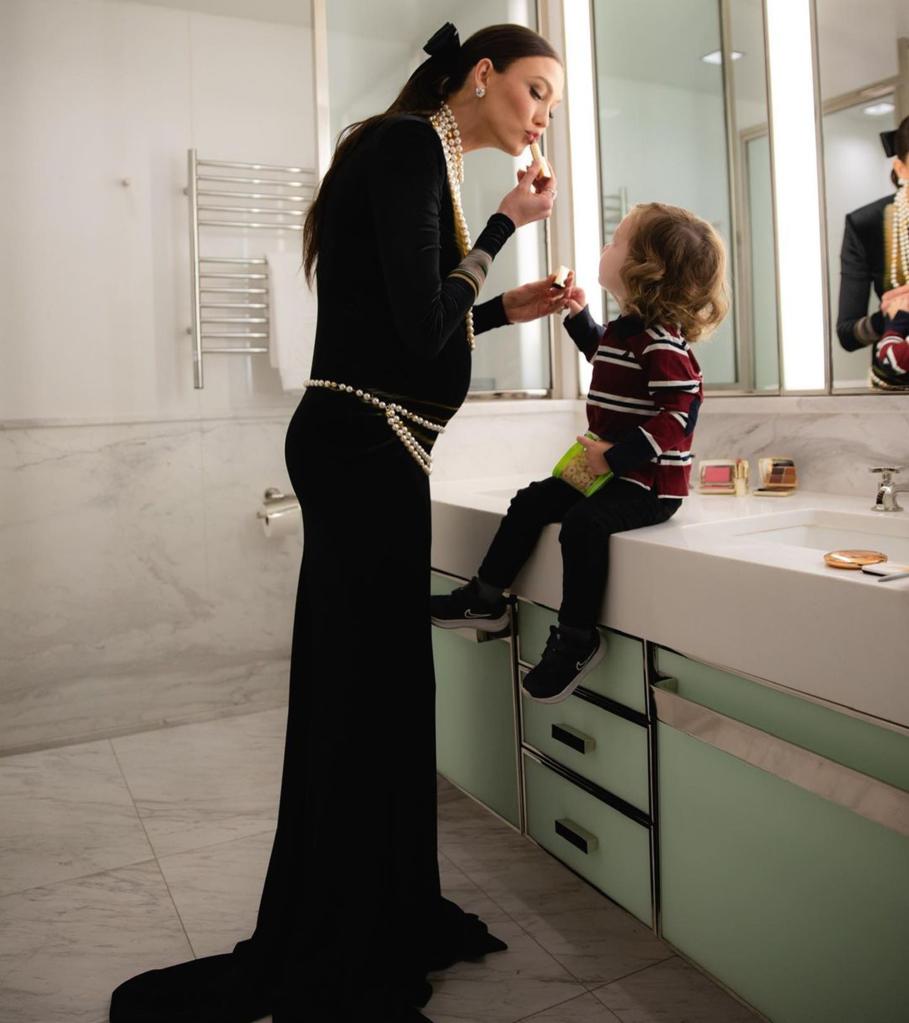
(778, 477)
(716, 476)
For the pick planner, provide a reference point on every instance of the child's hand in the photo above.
(575, 297)
(595, 451)
(531, 301)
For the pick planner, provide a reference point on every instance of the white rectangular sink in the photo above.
(815, 529)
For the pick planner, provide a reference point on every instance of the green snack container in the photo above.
(573, 469)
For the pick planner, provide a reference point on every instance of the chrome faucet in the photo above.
(886, 501)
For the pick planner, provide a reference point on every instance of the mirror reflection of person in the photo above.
(875, 253)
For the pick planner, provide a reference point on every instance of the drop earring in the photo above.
(481, 92)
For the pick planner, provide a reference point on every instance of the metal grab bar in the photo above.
(288, 188)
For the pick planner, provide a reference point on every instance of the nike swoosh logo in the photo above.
(580, 664)
(476, 614)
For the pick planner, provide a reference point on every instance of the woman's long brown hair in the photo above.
(424, 92)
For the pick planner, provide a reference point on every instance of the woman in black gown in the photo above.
(351, 917)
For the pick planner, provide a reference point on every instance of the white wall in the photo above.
(94, 276)
(138, 587)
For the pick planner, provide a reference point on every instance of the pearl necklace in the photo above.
(899, 240)
(393, 415)
(447, 129)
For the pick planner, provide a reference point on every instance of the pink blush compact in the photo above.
(716, 476)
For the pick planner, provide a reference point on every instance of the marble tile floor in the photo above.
(126, 854)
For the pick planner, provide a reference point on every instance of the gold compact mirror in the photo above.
(853, 559)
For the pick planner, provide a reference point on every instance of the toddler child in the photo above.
(666, 268)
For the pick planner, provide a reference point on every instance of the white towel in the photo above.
(292, 314)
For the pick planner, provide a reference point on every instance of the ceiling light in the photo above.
(879, 109)
(716, 57)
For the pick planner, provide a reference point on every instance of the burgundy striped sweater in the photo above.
(644, 397)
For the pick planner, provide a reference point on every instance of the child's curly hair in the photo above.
(676, 270)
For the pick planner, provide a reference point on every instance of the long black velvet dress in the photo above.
(351, 917)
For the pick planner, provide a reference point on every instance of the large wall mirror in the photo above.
(371, 52)
(682, 116)
(863, 62)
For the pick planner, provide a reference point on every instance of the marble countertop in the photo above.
(771, 610)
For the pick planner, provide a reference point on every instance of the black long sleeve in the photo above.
(856, 279)
(488, 315)
(584, 330)
(407, 184)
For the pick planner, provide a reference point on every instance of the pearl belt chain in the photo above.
(899, 236)
(393, 413)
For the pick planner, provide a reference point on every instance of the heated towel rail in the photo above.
(232, 291)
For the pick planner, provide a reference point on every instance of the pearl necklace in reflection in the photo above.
(899, 241)
(447, 129)
(393, 415)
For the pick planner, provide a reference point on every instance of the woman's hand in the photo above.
(595, 451)
(531, 199)
(531, 301)
(894, 300)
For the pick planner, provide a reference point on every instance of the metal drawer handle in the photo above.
(574, 739)
(578, 836)
(869, 797)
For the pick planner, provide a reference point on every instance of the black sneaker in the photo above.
(563, 664)
(464, 608)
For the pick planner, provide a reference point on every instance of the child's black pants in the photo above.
(587, 524)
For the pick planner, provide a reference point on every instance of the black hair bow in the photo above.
(445, 44)
(888, 141)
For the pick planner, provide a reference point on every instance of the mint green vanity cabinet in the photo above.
(601, 746)
(476, 729)
(604, 846)
(783, 872)
(587, 767)
(619, 677)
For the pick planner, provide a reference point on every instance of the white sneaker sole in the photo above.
(568, 690)
(480, 624)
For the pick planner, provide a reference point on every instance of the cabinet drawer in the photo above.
(620, 675)
(476, 731)
(794, 901)
(602, 845)
(600, 746)
(879, 752)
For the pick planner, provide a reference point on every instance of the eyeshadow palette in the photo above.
(778, 477)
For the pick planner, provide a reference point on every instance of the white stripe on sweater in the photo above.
(622, 408)
(667, 346)
(623, 398)
(627, 363)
